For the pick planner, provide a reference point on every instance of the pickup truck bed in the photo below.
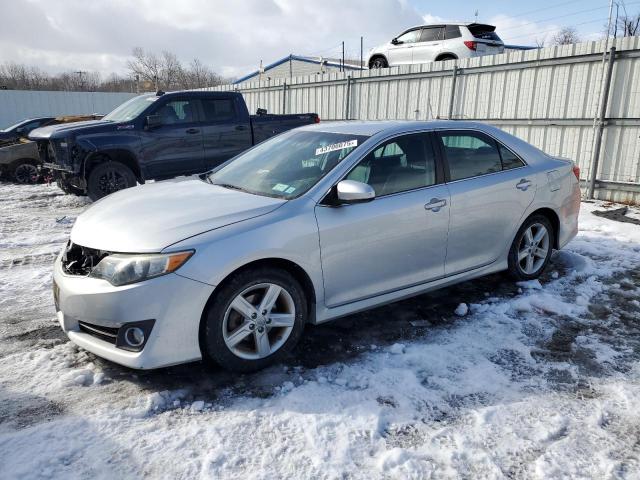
(156, 137)
(268, 125)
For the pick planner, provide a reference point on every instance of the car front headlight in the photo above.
(122, 269)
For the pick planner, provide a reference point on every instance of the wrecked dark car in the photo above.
(19, 158)
(21, 129)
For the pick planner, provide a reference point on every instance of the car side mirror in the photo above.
(153, 121)
(395, 41)
(351, 191)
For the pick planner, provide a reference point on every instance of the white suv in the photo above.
(428, 43)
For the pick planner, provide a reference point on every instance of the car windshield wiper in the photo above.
(228, 185)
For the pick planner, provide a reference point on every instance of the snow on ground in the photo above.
(487, 379)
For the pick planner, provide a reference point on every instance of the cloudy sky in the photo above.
(233, 36)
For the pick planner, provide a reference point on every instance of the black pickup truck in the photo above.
(155, 136)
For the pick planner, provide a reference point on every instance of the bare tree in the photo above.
(146, 65)
(566, 36)
(166, 72)
(629, 25)
(155, 71)
(540, 41)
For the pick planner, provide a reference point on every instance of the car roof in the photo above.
(195, 93)
(442, 24)
(373, 127)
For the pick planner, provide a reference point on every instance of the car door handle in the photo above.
(241, 127)
(523, 184)
(435, 204)
(193, 130)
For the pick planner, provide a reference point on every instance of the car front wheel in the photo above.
(109, 177)
(254, 320)
(531, 249)
(26, 172)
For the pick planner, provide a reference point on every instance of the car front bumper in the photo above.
(174, 304)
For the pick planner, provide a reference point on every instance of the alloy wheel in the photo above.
(112, 181)
(259, 321)
(533, 248)
(26, 173)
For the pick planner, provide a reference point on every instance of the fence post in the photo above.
(453, 91)
(284, 97)
(601, 123)
(348, 98)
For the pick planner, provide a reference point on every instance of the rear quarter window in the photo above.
(452, 31)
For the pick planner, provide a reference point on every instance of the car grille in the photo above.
(108, 334)
(79, 260)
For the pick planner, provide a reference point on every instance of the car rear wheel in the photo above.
(254, 320)
(531, 249)
(26, 172)
(109, 177)
(379, 62)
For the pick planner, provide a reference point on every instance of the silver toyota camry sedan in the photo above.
(311, 225)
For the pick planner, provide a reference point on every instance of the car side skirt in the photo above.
(327, 314)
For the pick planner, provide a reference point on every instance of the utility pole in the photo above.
(601, 123)
(80, 74)
(342, 65)
(361, 52)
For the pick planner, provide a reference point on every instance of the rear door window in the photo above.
(509, 159)
(469, 154)
(218, 109)
(432, 34)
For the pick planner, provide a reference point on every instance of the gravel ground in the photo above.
(484, 379)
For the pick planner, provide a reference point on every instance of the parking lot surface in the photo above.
(486, 379)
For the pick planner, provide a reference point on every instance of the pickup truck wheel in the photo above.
(66, 187)
(109, 177)
(254, 320)
(25, 172)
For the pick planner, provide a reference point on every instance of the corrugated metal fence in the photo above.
(548, 97)
(16, 105)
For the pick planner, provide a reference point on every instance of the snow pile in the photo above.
(541, 383)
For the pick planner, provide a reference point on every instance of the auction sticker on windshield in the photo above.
(336, 146)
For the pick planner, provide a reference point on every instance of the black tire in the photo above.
(378, 62)
(109, 177)
(66, 187)
(25, 172)
(213, 345)
(516, 269)
(444, 58)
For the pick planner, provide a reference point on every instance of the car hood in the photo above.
(63, 129)
(151, 217)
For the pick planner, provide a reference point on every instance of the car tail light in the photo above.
(471, 45)
(576, 171)
(317, 119)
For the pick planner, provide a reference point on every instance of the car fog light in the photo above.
(134, 336)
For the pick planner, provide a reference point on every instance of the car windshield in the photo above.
(8, 129)
(130, 109)
(287, 165)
